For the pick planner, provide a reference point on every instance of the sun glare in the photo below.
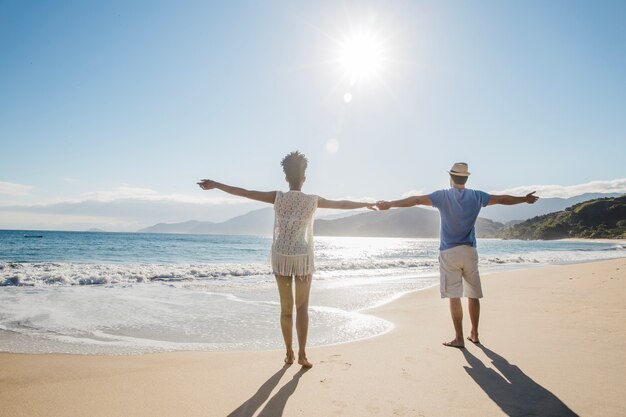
(361, 57)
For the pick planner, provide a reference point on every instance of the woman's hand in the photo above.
(208, 184)
(264, 196)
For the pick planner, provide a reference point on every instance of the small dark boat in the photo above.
(33, 235)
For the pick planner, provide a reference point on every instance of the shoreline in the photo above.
(368, 310)
(528, 317)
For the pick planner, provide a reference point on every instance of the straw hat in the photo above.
(459, 169)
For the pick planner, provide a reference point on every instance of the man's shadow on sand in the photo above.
(276, 405)
(520, 395)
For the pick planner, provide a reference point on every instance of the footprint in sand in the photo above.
(339, 407)
(406, 412)
(334, 361)
(404, 374)
(373, 407)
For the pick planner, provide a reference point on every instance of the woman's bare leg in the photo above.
(286, 314)
(303, 289)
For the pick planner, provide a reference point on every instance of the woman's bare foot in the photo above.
(456, 343)
(302, 360)
(290, 357)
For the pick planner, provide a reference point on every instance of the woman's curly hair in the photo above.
(294, 165)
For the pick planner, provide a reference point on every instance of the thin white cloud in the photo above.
(71, 180)
(126, 192)
(567, 191)
(411, 193)
(120, 193)
(11, 188)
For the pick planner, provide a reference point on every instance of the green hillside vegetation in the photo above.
(602, 218)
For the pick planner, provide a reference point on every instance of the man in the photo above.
(458, 260)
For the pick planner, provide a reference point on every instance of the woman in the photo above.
(292, 246)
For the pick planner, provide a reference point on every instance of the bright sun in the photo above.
(361, 57)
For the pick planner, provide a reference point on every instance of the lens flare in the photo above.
(332, 146)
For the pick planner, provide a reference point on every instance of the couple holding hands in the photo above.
(292, 247)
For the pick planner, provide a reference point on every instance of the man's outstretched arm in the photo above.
(509, 200)
(415, 200)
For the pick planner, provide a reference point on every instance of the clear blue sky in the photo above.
(109, 100)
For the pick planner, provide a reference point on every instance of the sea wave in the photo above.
(69, 274)
(617, 247)
(62, 274)
(47, 274)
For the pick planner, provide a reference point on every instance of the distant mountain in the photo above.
(190, 226)
(340, 215)
(505, 214)
(597, 218)
(257, 222)
(409, 222)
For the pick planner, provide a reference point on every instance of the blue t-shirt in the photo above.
(458, 210)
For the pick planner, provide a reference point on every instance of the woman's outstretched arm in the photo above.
(343, 204)
(415, 200)
(264, 196)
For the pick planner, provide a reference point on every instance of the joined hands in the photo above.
(382, 205)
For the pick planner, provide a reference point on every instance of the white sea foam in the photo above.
(70, 274)
(148, 318)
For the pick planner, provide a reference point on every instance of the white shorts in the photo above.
(458, 269)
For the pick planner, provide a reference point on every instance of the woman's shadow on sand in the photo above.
(276, 405)
(517, 395)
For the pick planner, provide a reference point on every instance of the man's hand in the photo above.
(207, 184)
(531, 198)
(372, 207)
(383, 205)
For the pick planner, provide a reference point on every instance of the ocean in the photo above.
(131, 293)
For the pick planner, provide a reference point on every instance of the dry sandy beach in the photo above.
(554, 342)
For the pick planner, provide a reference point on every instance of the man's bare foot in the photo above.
(302, 360)
(473, 338)
(289, 358)
(456, 343)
